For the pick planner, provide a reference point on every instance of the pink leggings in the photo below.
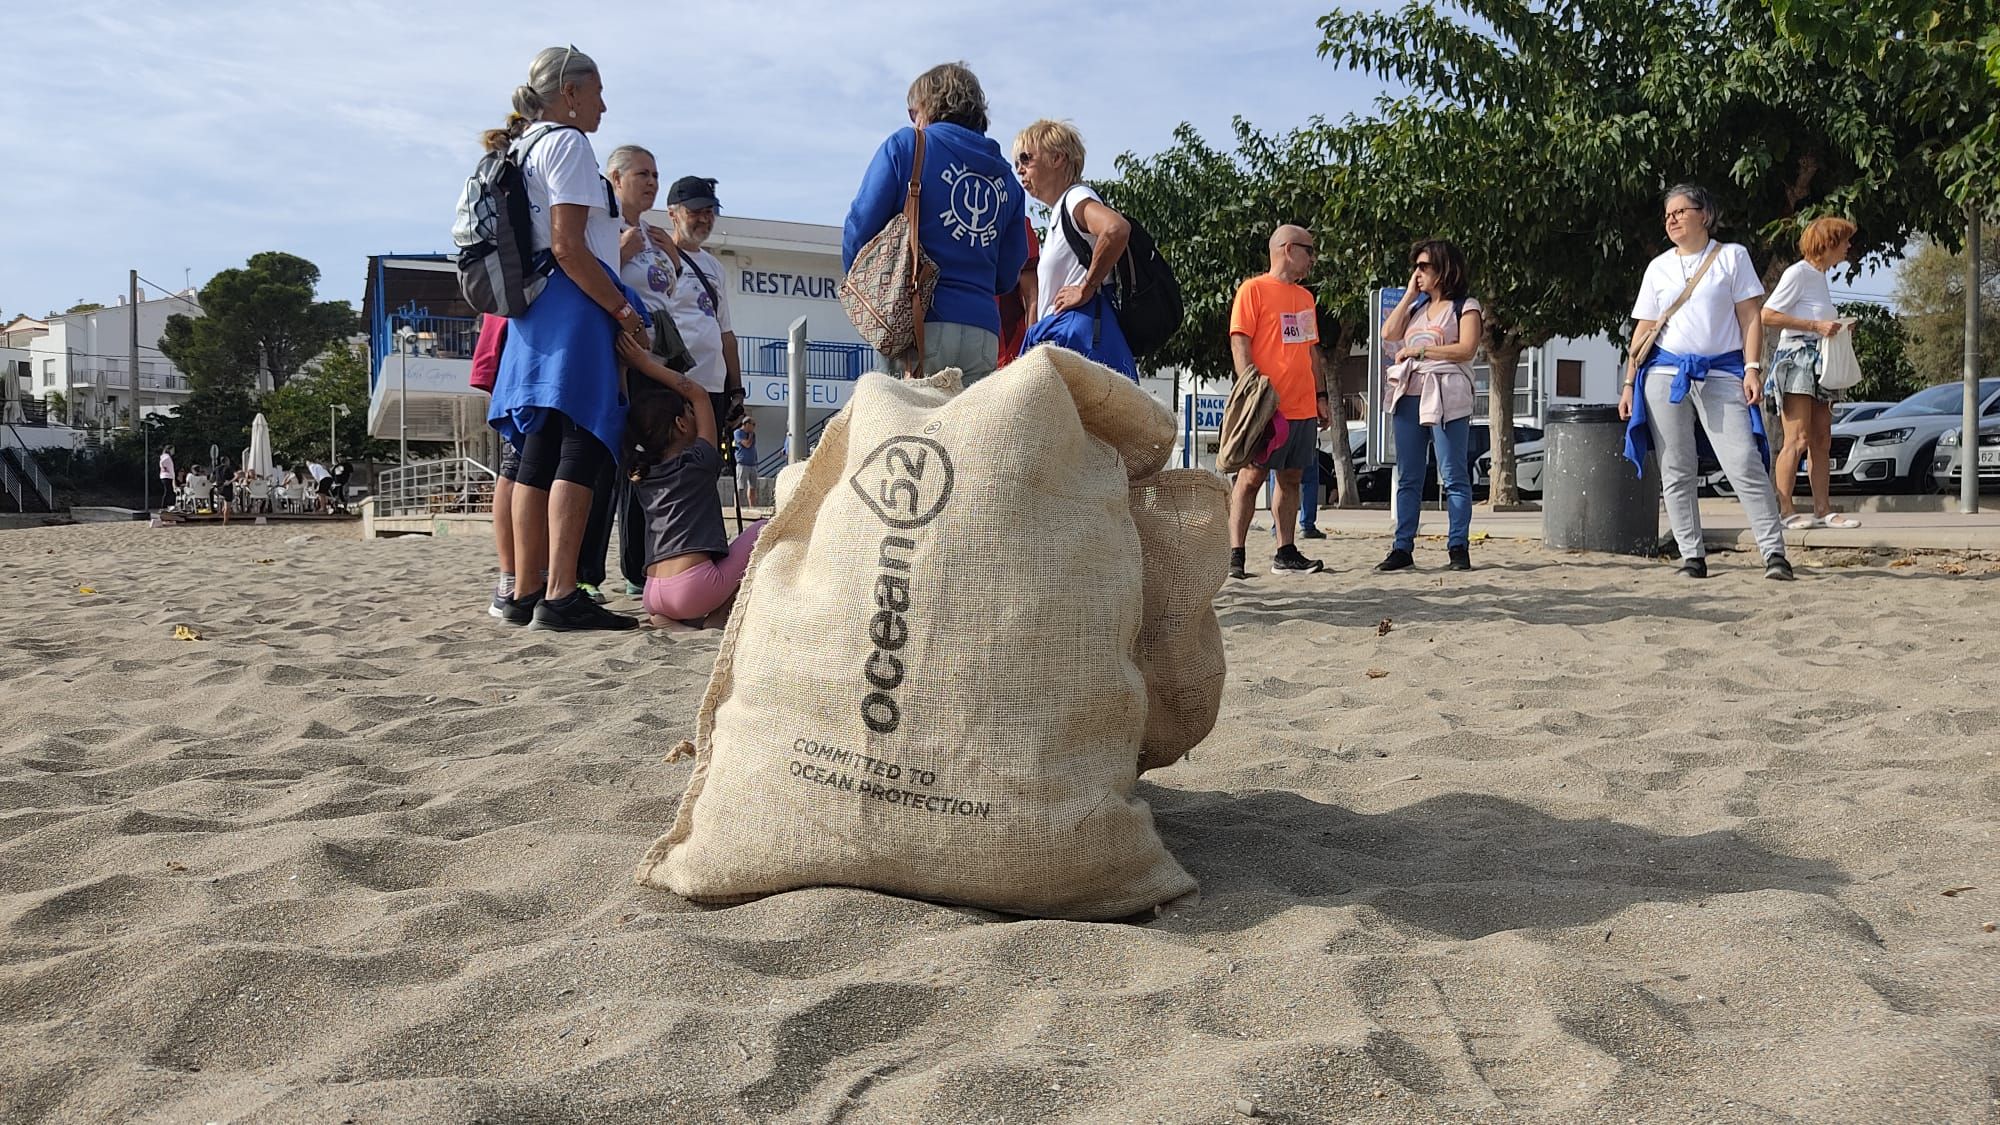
(694, 594)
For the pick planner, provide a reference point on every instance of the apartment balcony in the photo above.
(156, 376)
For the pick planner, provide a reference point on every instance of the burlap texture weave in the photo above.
(932, 683)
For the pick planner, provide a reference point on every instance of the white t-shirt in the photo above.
(1059, 265)
(1802, 292)
(680, 294)
(1706, 325)
(563, 169)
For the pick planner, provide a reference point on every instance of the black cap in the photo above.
(696, 193)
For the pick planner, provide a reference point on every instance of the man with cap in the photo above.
(699, 300)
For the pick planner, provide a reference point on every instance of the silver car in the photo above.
(1893, 451)
(1946, 465)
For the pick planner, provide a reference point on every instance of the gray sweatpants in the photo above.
(1718, 402)
(974, 351)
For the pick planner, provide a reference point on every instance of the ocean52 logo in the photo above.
(906, 481)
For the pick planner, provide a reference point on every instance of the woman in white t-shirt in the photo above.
(1072, 310)
(1801, 307)
(558, 397)
(1702, 367)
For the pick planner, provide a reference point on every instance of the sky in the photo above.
(178, 140)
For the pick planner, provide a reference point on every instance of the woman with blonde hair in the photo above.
(1801, 308)
(557, 396)
(1084, 241)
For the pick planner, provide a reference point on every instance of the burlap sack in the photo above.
(1183, 521)
(929, 685)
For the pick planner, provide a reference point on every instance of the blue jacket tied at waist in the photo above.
(1688, 370)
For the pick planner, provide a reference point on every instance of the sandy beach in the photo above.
(1565, 838)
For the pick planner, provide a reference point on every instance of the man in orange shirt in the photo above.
(1274, 328)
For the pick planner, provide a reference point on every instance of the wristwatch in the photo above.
(1753, 365)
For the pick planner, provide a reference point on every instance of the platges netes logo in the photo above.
(906, 482)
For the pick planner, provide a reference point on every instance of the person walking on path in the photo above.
(1703, 299)
(1801, 308)
(1438, 326)
(558, 395)
(1071, 309)
(1274, 330)
(971, 223)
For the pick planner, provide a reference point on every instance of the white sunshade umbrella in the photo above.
(259, 456)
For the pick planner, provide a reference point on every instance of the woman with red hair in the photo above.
(1801, 307)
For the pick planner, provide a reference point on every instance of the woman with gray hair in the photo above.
(558, 396)
(1696, 356)
(972, 223)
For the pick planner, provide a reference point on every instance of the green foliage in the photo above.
(58, 405)
(210, 415)
(1940, 58)
(298, 412)
(82, 307)
(1881, 343)
(1930, 293)
(258, 318)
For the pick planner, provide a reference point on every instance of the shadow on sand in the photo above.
(1462, 865)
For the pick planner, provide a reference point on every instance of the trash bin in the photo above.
(1591, 498)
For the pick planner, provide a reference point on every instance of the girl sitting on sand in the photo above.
(692, 567)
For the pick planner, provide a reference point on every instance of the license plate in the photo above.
(1990, 456)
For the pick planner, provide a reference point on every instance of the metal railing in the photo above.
(28, 472)
(34, 412)
(154, 375)
(774, 463)
(450, 486)
(765, 355)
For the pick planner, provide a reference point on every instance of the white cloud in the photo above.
(191, 136)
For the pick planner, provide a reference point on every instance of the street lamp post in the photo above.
(404, 337)
(334, 412)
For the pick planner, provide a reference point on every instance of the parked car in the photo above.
(1893, 451)
(1858, 411)
(1377, 484)
(1947, 464)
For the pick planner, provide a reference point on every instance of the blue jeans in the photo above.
(1413, 446)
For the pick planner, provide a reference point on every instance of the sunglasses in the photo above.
(1305, 246)
(1679, 211)
(1426, 264)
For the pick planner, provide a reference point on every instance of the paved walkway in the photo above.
(1724, 525)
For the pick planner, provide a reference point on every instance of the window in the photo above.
(1569, 378)
(48, 373)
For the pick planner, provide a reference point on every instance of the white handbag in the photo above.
(1839, 368)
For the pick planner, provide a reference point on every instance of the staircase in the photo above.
(22, 482)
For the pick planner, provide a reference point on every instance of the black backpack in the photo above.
(1142, 288)
(497, 271)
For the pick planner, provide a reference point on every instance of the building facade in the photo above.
(85, 358)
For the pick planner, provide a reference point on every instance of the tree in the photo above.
(1541, 138)
(1881, 343)
(58, 405)
(1930, 293)
(299, 411)
(260, 319)
(1943, 56)
(210, 415)
(82, 306)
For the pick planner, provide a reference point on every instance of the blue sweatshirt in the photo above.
(972, 221)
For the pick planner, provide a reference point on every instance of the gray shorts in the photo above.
(974, 351)
(746, 475)
(1301, 444)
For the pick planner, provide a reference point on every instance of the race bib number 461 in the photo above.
(1298, 327)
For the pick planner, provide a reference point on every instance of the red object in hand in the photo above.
(486, 353)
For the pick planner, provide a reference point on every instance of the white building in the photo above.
(773, 273)
(85, 358)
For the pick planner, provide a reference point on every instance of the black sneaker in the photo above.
(1778, 568)
(1461, 558)
(1236, 563)
(1288, 558)
(577, 613)
(1398, 559)
(519, 611)
(1694, 568)
(1311, 533)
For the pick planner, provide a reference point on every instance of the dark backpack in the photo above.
(1142, 288)
(495, 236)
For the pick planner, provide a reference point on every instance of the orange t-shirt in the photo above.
(1283, 328)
